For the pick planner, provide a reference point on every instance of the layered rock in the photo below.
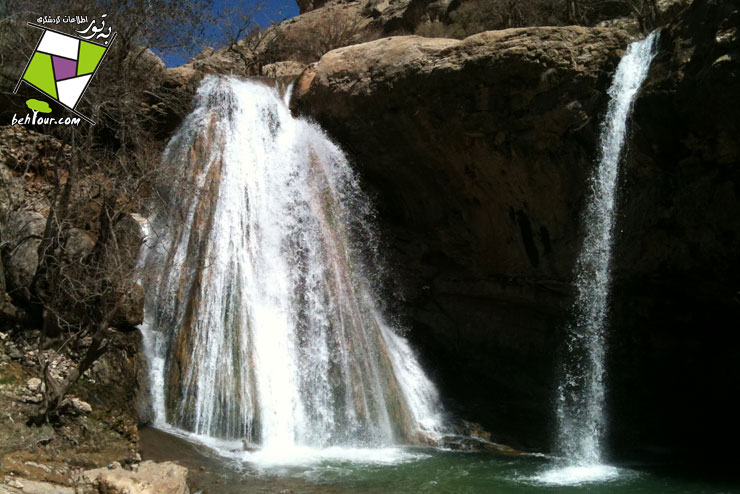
(478, 152)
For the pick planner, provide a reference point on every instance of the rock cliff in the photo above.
(677, 262)
(478, 153)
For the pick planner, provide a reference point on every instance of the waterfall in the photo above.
(262, 318)
(580, 400)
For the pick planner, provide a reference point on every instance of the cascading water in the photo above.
(580, 400)
(262, 324)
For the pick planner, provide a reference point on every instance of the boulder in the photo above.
(79, 243)
(34, 385)
(23, 235)
(146, 478)
(180, 84)
(287, 70)
(79, 405)
(181, 77)
(321, 23)
(11, 193)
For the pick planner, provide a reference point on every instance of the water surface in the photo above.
(405, 471)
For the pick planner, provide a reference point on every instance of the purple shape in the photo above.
(64, 68)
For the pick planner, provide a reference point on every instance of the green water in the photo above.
(418, 470)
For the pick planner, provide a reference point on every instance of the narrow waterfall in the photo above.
(580, 401)
(262, 320)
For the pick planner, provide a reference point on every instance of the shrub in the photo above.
(312, 37)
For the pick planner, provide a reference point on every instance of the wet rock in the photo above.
(472, 429)
(151, 478)
(130, 233)
(471, 443)
(249, 445)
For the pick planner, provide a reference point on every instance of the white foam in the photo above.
(581, 393)
(578, 474)
(305, 456)
(298, 456)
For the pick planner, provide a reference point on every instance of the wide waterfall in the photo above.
(263, 325)
(581, 394)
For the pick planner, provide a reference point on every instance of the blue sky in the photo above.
(274, 10)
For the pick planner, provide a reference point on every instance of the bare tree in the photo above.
(83, 291)
(243, 36)
(646, 12)
(321, 32)
(474, 16)
(79, 296)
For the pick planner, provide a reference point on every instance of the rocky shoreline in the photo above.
(141, 478)
(84, 453)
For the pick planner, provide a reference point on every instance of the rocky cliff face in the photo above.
(677, 262)
(478, 152)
